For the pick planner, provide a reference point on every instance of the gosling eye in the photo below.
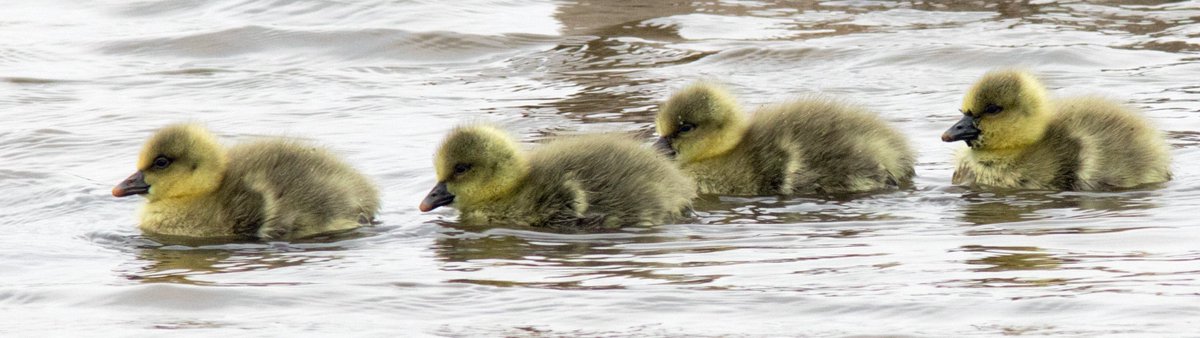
(161, 162)
(992, 109)
(686, 127)
(461, 168)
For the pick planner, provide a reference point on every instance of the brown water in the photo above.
(82, 84)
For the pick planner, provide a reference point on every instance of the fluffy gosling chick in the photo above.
(583, 182)
(810, 145)
(271, 189)
(1019, 139)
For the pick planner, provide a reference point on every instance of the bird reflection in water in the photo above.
(199, 262)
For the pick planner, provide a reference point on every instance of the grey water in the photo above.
(83, 83)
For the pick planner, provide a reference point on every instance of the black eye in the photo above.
(461, 168)
(161, 162)
(992, 109)
(686, 127)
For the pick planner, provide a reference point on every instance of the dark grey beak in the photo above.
(964, 130)
(437, 197)
(663, 145)
(134, 185)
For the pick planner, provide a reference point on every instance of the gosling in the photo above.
(810, 145)
(575, 183)
(1019, 139)
(272, 189)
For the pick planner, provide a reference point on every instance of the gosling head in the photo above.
(1006, 109)
(179, 161)
(475, 164)
(699, 122)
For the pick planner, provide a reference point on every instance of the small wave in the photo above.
(960, 57)
(763, 56)
(710, 26)
(20, 55)
(391, 44)
(32, 80)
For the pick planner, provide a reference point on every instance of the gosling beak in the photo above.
(134, 185)
(964, 130)
(437, 197)
(663, 145)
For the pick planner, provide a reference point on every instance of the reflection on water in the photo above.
(982, 208)
(186, 265)
(192, 261)
(713, 209)
(1068, 274)
(380, 82)
(635, 257)
(582, 261)
(1013, 258)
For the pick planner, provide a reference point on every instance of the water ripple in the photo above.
(367, 44)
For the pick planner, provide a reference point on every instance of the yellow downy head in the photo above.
(479, 163)
(181, 161)
(1010, 110)
(700, 122)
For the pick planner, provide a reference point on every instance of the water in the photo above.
(83, 83)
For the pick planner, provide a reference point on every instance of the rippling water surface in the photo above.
(82, 83)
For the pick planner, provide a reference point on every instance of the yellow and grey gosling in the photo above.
(273, 189)
(810, 145)
(582, 182)
(1019, 139)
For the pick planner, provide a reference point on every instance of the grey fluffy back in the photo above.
(623, 181)
(278, 187)
(1116, 147)
(841, 145)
